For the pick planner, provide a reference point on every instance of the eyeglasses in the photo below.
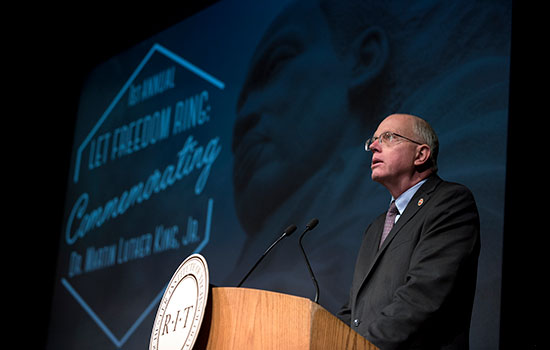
(386, 138)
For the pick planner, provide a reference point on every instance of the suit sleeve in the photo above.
(344, 314)
(444, 258)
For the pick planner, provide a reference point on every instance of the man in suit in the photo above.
(415, 276)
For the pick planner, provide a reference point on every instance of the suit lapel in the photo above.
(418, 201)
(369, 247)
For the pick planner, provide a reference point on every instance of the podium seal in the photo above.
(182, 306)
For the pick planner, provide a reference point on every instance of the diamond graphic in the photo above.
(155, 49)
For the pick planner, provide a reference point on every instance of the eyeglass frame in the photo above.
(368, 143)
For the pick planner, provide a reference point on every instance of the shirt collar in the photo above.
(403, 200)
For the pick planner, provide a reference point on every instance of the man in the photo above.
(415, 276)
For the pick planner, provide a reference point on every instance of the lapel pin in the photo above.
(420, 201)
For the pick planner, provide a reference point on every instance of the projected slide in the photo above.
(215, 135)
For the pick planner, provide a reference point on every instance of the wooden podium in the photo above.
(241, 318)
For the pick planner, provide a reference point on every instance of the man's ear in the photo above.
(423, 153)
(369, 55)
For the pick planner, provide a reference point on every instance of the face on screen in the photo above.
(291, 114)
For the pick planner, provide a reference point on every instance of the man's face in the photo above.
(292, 112)
(393, 162)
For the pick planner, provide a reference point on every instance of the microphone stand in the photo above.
(289, 230)
(310, 227)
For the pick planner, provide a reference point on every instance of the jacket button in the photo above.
(356, 322)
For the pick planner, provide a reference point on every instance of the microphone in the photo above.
(287, 232)
(310, 226)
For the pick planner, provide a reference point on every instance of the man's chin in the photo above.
(378, 177)
(258, 200)
(254, 204)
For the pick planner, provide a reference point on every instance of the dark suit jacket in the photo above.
(417, 290)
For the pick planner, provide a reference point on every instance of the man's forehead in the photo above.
(298, 14)
(396, 123)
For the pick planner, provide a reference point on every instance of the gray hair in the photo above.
(424, 131)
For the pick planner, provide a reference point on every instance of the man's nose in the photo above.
(250, 102)
(249, 111)
(375, 146)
